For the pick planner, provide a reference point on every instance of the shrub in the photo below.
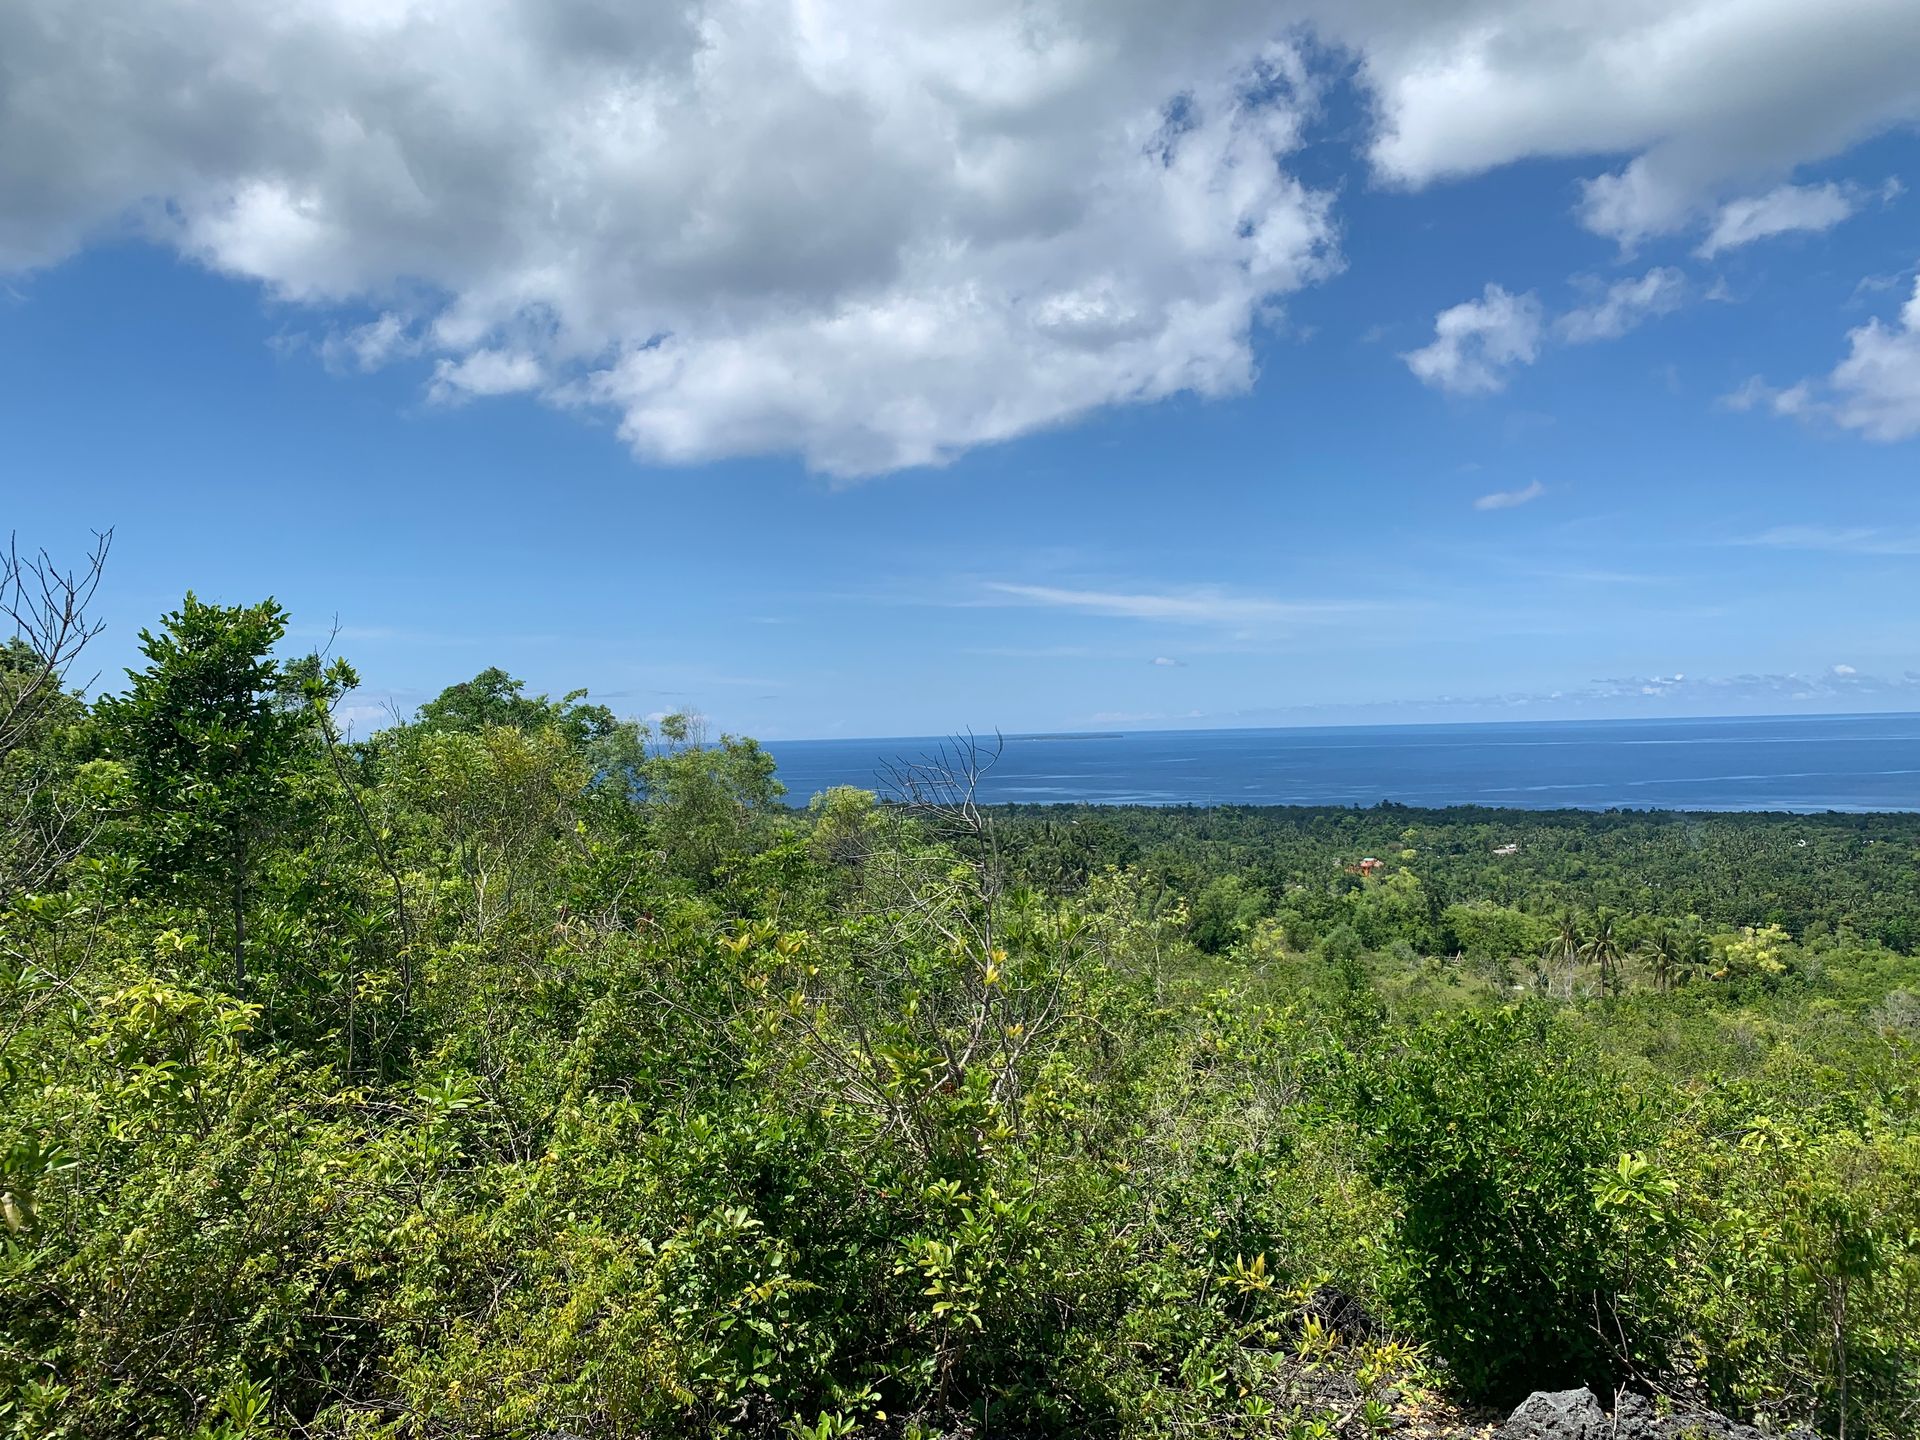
(1488, 1131)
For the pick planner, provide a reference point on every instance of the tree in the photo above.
(1604, 949)
(1225, 912)
(47, 609)
(1486, 931)
(213, 735)
(41, 827)
(494, 697)
(1695, 952)
(1565, 947)
(705, 801)
(1662, 953)
(1755, 953)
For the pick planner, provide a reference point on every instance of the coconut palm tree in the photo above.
(1604, 949)
(1695, 952)
(1565, 947)
(1664, 955)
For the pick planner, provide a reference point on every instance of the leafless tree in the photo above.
(941, 788)
(994, 1008)
(48, 610)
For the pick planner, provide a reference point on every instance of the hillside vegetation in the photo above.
(520, 1071)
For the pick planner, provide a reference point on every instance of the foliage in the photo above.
(519, 1070)
(1487, 1129)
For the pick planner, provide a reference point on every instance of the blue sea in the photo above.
(1798, 763)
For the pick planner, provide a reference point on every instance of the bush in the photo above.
(1488, 1131)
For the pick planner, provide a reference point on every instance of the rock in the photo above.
(1339, 1311)
(1576, 1415)
(1707, 1425)
(1634, 1417)
(1557, 1415)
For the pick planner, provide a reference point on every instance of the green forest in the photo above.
(519, 1070)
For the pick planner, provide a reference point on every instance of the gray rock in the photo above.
(1707, 1425)
(1557, 1415)
(1634, 1417)
(1576, 1415)
(1340, 1312)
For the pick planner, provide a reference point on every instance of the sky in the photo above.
(839, 368)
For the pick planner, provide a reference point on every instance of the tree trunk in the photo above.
(240, 927)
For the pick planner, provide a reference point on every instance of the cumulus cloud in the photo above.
(1778, 212)
(1625, 305)
(1706, 95)
(1875, 390)
(871, 234)
(1877, 387)
(1508, 499)
(1476, 342)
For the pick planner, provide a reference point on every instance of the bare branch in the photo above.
(47, 609)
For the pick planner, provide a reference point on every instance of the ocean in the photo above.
(1794, 763)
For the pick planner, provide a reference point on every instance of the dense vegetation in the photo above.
(517, 1070)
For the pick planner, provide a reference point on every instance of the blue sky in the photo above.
(1285, 382)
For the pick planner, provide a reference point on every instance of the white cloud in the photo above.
(1201, 605)
(1845, 540)
(1762, 693)
(1754, 394)
(1778, 212)
(369, 346)
(872, 234)
(1706, 95)
(1874, 390)
(485, 372)
(1837, 682)
(1508, 499)
(1625, 305)
(1476, 342)
(1169, 662)
(1877, 387)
